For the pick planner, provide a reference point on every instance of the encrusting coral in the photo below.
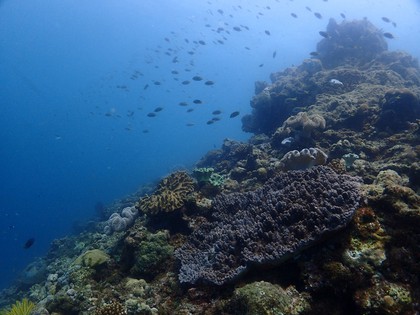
(114, 308)
(171, 194)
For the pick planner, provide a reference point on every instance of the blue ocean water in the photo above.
(79, 78)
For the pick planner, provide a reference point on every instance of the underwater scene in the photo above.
(210, 157)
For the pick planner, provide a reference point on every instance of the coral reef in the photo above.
(269, 225)
(350, 42)
(171, 194)
(354, 100)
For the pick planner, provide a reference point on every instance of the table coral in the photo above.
(268, 225)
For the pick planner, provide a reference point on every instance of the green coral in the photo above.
(217, 180)
(261, 298)
(23, 307)
(203, 174)
(92, 258)
(206, 175)
(152, 254)
(384, 298)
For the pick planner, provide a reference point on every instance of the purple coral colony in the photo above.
(316, 214)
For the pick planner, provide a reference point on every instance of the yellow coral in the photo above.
(23, 307)
(170, 195)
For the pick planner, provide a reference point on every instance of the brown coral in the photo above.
(302, 123)
(171, 194)
(114, 308)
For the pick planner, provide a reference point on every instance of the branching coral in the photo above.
(268, 225)
(171, 194)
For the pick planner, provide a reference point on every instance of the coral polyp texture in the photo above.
(269, 225)
(303, 159)
(171, 194)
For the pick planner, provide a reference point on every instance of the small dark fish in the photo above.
(216, 118)
(234, 114)
(167, 39)
(318, 15)
(261, 65)
(216, 112)
(145, 87)
(220, 42)
(220, 11)
(388, 35)
(151, 115)
(385, 19)
(201, 42)
(274, 54)
(158, 109)
(157, 83)
(394, 24)
(209, 82)
(245, 27)
(29, 243)
(247, 48)
(189, 124)
(145, 131)
(187, 40)
(237, 28)
(294, 15)
(324, 34)
(185, 82)
(309, 9)
(343, 15)
(197, 102)
(174, 72)
(267, 32)
(190, 110)
(183, 104)
(210, 122)
(314, 53)
(197, 78)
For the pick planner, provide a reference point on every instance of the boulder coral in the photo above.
(303, 159)
(301, 125)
